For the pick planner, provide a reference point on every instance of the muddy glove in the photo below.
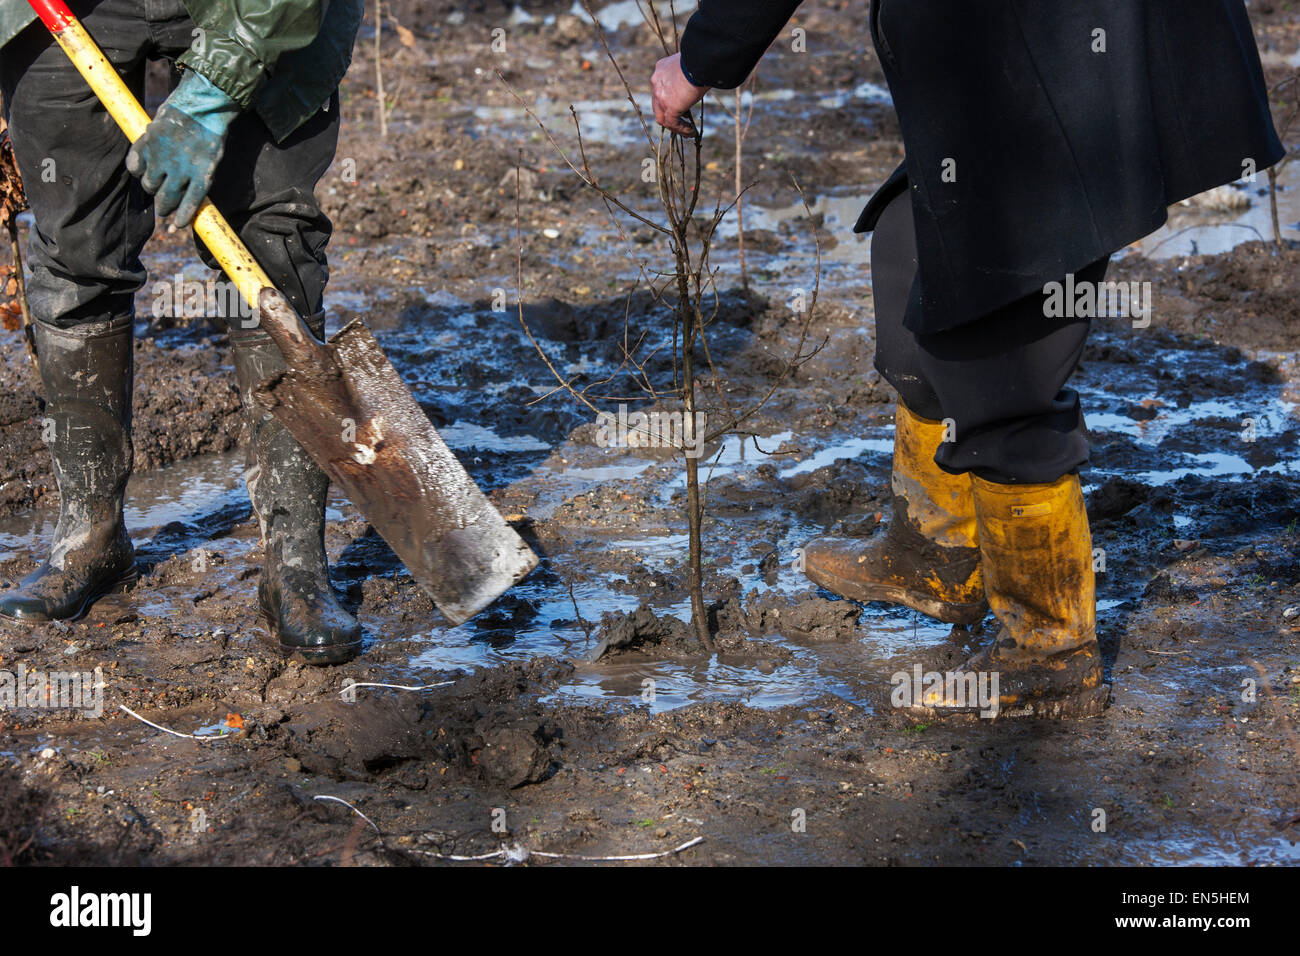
(178, 153)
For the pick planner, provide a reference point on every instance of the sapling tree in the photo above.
(677, 270)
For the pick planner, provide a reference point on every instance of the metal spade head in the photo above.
(347, 406)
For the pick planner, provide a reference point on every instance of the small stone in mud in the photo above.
(856, 526)
(292, 765)
(513, 757)
(1142, 413)
(1115, 498)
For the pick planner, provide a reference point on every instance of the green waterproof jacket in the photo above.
(282, 58)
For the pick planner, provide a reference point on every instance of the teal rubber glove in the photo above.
(177, 155)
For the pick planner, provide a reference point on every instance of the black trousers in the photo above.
(1000, 379)
(93, 217)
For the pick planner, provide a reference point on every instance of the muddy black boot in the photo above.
(86, 372)
(1037, 556)
(288, 492)
(928, 557)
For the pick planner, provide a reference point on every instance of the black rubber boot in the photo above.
(288, 492)
(86, 372)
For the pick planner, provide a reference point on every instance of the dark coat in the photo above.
(1058, 154)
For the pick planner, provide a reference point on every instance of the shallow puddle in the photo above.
(1239, 213)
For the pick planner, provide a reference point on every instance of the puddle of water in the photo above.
(1222, 850)
(737, 454)
(466, 436)
(609, 472)
(179, 492)
(1198, 231)
(623, 13)
(867, 92)
(611, 122)
(849, 448)
(839, 212)
(1272, 417)
(1268, 411)
(840, 668)
(1210, 465)
(154, 499)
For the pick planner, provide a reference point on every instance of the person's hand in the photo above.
(177, 155)
(674, 95)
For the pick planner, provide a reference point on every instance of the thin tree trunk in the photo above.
(740, 199)
(694, 517)
(1272, 202)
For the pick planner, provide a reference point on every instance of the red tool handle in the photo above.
(53, 13)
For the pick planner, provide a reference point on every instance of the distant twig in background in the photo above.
(380, 105)
(741, 129)
(1292, 85)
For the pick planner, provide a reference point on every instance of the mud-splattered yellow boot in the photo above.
(928, 557)
(1037, 560)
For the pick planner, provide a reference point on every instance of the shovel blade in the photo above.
(355, 416)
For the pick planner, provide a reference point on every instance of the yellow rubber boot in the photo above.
(928, 558)
(1036, 551)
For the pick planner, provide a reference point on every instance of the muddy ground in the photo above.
(1197, 512)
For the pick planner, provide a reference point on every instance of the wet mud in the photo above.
(577, 715)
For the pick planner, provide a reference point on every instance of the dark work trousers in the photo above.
(1000, 378)
(93, 217)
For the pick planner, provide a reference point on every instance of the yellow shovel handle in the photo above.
(210, 225)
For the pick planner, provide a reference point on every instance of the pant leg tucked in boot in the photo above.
(928, 558)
